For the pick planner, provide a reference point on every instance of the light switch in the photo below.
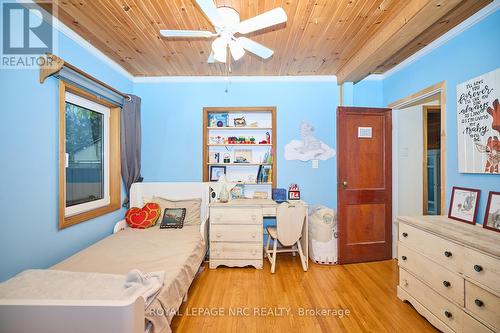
(315, 164)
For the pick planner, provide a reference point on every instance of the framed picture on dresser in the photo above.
(492, 214)
(464, 204)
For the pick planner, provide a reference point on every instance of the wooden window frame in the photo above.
(114, 158)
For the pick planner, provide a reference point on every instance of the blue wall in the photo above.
(368, 92)
(472, 53)
(29, 236)
(172, 128)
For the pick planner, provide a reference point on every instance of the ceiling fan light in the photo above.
(237, 50)
(219, 47)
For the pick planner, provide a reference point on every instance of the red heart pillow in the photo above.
(145, 217)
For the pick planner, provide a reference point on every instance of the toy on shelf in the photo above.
(240, 122)
(293, 192)
(216, 140)
(268, 137)
(227, 158)
(217, 120)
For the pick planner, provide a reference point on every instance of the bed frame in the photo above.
(58, 316)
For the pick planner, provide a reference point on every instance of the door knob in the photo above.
(344, 183)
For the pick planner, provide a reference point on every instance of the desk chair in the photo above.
(290, 218)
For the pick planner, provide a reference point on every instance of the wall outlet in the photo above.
(315, 164)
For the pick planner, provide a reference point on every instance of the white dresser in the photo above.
(236, 233)
(450, 273)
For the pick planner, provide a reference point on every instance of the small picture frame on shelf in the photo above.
(238, 192)
(492, 214)
(464, 204)
(242, 156)
(216, 171)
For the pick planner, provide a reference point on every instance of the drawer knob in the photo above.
(447, 284)
(254, 217)
(478, 268)
(254, 235)
(405, 234)
(405, 282)
(448, 314)
(447, 254)
(218, 235)
(479, 302)
(254, 252)
(404, 258)
(218, 217)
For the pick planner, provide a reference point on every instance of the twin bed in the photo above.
(176, 252)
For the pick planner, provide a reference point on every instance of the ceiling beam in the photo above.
(405, 25)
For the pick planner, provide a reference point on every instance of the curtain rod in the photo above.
(55, 64)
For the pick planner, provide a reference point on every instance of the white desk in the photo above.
(236, 232)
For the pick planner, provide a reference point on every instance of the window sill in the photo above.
(68, 221)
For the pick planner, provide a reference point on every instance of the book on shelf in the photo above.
(264, 174)
(268, 157)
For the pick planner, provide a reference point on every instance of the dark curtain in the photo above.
(130, 137)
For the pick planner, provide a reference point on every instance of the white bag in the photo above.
(323, 235)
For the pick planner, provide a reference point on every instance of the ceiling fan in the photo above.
(226, 21)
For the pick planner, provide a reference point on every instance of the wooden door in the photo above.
(364, 145)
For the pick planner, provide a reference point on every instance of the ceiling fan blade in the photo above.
(211, 59)
(237, 51)
(270, 18)
(254, 47)
(210, 10)
(187, 33)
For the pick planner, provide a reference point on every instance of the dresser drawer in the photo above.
(222, 215)
(443, 281)
(443, 309)
(482, 268)
(235, 250)
(483, 304)
(471, 325)
(451, 255)
(236, 233)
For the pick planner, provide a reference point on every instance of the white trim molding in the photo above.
(234, 79)
(374, 77)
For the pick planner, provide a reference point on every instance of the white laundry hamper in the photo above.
(323, 236)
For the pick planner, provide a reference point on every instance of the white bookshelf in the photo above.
(260, 121)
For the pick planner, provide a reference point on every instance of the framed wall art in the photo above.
(464, 204)
(478, 120)
(492, 214)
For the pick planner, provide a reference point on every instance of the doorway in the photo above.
(431, 126)
(419, 154)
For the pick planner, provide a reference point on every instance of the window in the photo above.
(89, 166)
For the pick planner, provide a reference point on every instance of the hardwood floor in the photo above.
(275, 303)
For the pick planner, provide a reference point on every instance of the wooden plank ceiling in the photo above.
(347, 38)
